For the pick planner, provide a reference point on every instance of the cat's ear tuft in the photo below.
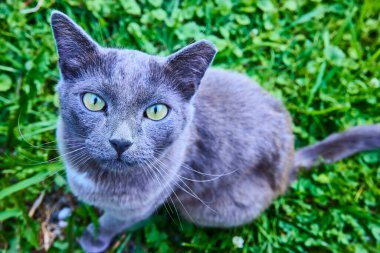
(188, 66)
(75, 48)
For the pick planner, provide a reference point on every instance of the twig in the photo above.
(36, 204)
(34, 9)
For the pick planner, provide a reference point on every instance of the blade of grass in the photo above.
(9, 213)
(317, 84)
(27, 182)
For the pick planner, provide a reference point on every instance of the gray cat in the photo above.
(137, 131)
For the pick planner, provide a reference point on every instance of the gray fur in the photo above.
(222, 154)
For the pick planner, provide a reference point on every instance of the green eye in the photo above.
(157, 111)
(93, 102)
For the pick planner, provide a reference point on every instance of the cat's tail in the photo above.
(338, 146)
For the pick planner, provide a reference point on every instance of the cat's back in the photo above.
(222, 78)
(234, 98)
(237, 121)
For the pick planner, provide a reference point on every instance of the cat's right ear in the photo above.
(75, 48)
(188, 66)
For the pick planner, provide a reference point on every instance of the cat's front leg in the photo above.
(93, 241)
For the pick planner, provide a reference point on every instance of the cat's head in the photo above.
(122, 107)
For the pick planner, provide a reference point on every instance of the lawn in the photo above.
(321, 58)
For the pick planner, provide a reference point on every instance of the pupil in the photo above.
(155, 110)
(95, 100)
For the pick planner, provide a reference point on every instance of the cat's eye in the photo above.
(157, 111)
(93, 102)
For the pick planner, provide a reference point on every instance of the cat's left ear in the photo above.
(76, 49)
(188, 66)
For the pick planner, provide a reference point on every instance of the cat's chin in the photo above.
(117, 165)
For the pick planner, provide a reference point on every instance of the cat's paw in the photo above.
(93, 244)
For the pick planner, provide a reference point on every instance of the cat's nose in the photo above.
(120, 145)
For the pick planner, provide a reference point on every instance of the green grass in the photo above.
(320, 57)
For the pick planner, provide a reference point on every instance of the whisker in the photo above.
(151, 175)
(55, 147)
(53, 174)
(193, 194)
(203, 180)
(79, 158)
(188, 214)
(185, 166)
(55, 159)
(30, 144)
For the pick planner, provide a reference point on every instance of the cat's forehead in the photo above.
(131, 64)
(125, 77)
(134, 73)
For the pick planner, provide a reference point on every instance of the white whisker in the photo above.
(184, 208)
(151, 173)
(191, 193)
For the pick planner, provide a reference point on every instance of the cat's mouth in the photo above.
(119, 163)
(128, 163)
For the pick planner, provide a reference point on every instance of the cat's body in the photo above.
(220, 156)
(254, 156)
(216, 143)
